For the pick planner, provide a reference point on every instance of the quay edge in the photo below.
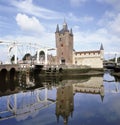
(63, 70)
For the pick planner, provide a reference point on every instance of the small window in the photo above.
(62, 61)
(61, 45)
(60, 39)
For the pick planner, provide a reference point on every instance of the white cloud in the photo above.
(114, 25)
(111, 21)
(84, 19)
(113, 3)
(107, 16)
(87, 19)
(76, 3)
(29, 24)
(87, 40)
(3, 50)
(46, 39)
(27, 6)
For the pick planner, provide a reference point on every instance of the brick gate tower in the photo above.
(64, 45)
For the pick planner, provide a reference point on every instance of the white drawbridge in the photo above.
(19, 49)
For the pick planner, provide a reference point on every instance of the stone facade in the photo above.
(93, 59)
(66, 55)
(64, 45)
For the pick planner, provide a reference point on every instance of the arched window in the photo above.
(61, 45)
(42, 56)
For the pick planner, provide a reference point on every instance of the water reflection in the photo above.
(65, 102)
(72, 101)
(117, 79)
(93, 86)
(112, 83)
(26, 104)
(8, 81)
(66, 92)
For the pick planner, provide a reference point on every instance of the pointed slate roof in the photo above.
(101, 47)
(57, 28)
(71, 31)
(65, 28)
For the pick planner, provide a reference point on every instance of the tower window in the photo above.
(60, 39)
(61, 45)
(75, 62)
(62, 61)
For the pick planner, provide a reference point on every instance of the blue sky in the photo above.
(93, 22)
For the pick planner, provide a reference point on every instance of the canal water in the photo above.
(29, 99)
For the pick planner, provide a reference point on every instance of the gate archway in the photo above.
(42, 56)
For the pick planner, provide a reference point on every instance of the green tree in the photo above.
(27, 56)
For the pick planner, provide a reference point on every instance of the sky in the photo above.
(34, 21)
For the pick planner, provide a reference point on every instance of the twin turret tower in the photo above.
(66, 55)
(64, 45)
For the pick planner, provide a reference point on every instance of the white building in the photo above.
(93, 59)
(66, 55)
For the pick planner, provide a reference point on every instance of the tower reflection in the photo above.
(64, 104)
(66, 92)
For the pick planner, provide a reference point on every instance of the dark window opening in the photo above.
(75, 62)
(60, 39)
(62, 61)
